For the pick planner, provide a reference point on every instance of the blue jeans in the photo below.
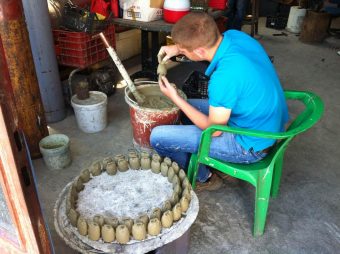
(236, 12)
(179, 141)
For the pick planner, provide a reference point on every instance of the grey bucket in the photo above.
(55, 149)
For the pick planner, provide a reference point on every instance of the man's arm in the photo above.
(217, 115)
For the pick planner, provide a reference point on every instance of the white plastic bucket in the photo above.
(91, 114)
(295, 19)
(55, 149)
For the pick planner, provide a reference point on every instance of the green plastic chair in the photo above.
(263, 175)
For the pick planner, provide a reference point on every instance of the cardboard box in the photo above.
(142, 10)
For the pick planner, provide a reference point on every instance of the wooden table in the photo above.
(149, 66)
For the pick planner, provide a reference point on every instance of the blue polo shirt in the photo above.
(243, 79)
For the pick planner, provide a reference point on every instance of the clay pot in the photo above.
(132, 153)
(176, 181)
(154, 227)
(156, 213)
(167, 160)
(119, 156)
(128, 222)
(123, 165)
(106, 161)
(177, 189)
(73, 216)
(139, 231)
(174, 199)
(144, 154)
(171, 174)
(155, 166)
(145, 163)
(166, 206)
(143, 218)
(184, 204)
(85, 175)
(164, 169)
(79, 184)
(134, 162)
(181, 174)
(156, 157)
(108, 233)
(82, 226)
(167, 219)
(111, 168)
(186, 183)
(186, 193)
(93, 231)
(99, 219)
(122, 234)
(175, 166)
(113, 221)
(177, 212)
(96, 168)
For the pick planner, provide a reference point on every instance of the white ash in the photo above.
(129, 193)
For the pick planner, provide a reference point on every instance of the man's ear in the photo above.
(200, 52)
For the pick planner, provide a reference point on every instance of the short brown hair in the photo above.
(194, 30)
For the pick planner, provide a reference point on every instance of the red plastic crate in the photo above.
(79, 49)
(218, 4)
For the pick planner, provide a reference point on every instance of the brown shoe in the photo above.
(212, 184)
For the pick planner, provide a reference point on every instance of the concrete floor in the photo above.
(305, 218)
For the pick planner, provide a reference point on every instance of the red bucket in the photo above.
(143, 119)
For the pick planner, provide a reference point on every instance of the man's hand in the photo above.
(166, 52)
(168, 89)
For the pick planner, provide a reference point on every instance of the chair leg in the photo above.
(276, 177)
(262, 201)
(192, 170)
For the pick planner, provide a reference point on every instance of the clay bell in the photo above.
(113, 221)
(123, 165)
(143, 218)
(175, 180)
(155, 166)
(174, 199)
(166, 206)
(144, 154)
(181, 174)
(154, 227)
(145, 163)
(85, 175)
(175, 166)
(139, 231)
(156, 157)
(96, 168)
(119, 156)
(132, 153)
(186, 193)
(134, 162)
(82, 226)
(156, 213)
(106, 161)
(93, 231)
(128, 222)
(111, 168)
(177, 212)
(171, 174)
(73, 216)
(108, 233)
(79, 184)
(99, 219)
(184, 204)
(122, 234)
(164, 169)
(167, 219)
(167, 160)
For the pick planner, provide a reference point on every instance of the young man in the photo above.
(244, 91)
